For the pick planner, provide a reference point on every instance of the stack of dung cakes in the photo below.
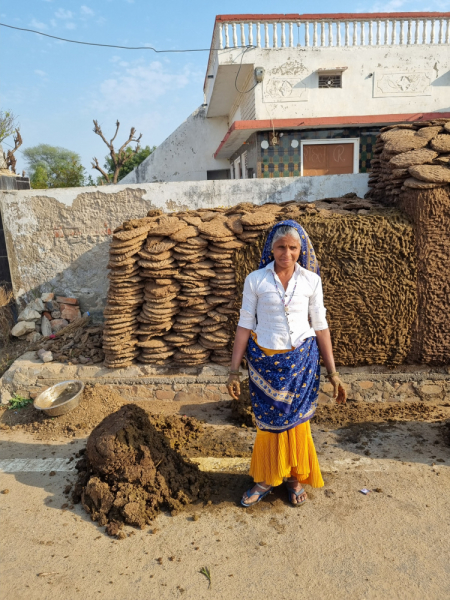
(259, 220)
(125, 293)
(413, 155)
(215, 335)
(158, 270)
(195, 270)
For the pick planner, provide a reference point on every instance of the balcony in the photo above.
(240, 42)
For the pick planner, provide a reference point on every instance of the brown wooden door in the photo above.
(328, 159)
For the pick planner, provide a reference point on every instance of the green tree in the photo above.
(132, 161)
(53, 166)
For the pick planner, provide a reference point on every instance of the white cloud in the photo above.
(40, 73)
(37, 24)
(70, 25)
(85, 10)
(63, 14)
(144, 83)
(53, 22)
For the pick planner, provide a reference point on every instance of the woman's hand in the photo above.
(234, 386)
(339, 393)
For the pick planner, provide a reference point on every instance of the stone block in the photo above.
(45, 355)
(52, 305)
(34, 336)
(213, 396)
(47, 315)
(46, 328)
(47, 297)
(55, 314)
(187, 397)
(165, 394)
(430, 389)
(365, 385)
(69, 312)
(20, 379)
(5, 396)
(324, 399)
(37, 305)
(58, 324)
(29, 314)
(327, 387)
(63, 300)
(23, 327)
(405, 388)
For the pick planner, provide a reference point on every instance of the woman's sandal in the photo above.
(260, 494)
(297, 494)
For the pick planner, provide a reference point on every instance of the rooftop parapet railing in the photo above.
(320, 31)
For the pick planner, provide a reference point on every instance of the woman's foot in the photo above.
(253, 495)
(294, 486)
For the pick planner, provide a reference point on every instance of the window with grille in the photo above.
(330, 81)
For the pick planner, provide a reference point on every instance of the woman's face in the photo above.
(286, 251)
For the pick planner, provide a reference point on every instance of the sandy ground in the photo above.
(392, 543)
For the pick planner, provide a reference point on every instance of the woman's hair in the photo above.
(285, 230)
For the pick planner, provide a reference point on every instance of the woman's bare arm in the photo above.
(240, 345)
(323, 338)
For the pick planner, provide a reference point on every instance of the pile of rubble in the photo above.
(45, 316)
(173, 285)
(78, 343)
(410, 156)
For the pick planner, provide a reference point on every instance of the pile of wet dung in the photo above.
(130, 472)
(335, 415)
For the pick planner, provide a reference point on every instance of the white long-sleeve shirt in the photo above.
(263, 310)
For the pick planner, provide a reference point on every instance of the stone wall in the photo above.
(58, 240)
(196, 385)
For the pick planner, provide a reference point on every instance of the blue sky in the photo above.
(57, 88)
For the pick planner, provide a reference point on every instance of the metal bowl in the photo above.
(61, 398)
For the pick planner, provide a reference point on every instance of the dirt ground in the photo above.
(391, 543)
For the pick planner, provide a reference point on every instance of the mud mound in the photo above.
(335, 416)
(98, 402)
(130, 472)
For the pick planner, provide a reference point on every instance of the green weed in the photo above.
(18, 401)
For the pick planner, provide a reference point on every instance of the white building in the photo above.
(294, 95)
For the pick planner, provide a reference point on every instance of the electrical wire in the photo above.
(54, 37)
(239, 70)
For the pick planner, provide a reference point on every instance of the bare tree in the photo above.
(118, 158)
(10, 158)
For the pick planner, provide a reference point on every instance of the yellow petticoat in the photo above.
(287, 454)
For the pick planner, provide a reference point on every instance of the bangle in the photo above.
(331, 375)
(230, 372)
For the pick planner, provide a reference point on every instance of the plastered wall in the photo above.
(59, 239)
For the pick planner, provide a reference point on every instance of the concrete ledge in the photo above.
(28, 376)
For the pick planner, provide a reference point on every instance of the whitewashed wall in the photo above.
(187, 154)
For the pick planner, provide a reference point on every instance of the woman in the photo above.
(282, 350)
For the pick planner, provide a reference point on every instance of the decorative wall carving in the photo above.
(401, 84)
(285, 83)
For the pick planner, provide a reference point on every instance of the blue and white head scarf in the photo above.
(307, 258)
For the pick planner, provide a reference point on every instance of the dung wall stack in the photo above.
(368, 272)
(430, 213)
(176, 289)
(412, 171)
